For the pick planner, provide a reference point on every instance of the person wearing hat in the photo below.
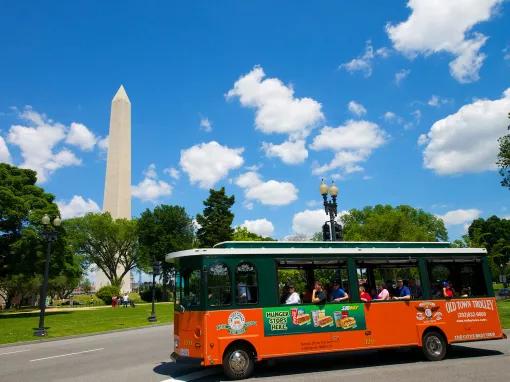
(447, 290)
(337, 293)
(293, 297)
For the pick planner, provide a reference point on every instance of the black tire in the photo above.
(238, 362)
(434, 346)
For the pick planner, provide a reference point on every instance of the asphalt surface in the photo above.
(143, 355)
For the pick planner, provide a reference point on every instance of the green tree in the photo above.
(215, 223)
(504, 159)
(22, 248)
(109, 244)
(242, 234)
(387, 223)
(164, 230)
(494, 235)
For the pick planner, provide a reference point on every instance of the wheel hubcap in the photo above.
(434, 346)
(238, 361)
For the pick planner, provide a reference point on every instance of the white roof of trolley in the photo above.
(309, 249)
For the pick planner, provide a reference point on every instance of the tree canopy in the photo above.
(387, 223)
(216, 220)
(111, 245)
(494, 235)
(242, 234)
(22, 247)
(504, 159)
(164, 230)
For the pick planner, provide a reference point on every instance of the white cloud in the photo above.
(356, 108)
(206, 125)
(308, 222)
(37, 143)
(248, 179)
(436, 101)
(172, 172)
(444, 26)
(102, 143)
(506, 53)
(364, 63)
(290, 152)
(466, 141)
(5, 155)
(76, 207)
(353, 135)
(262, 227)
(271, 192)
(390, 116)
(352, 143)
(79, 135)
(150, 189)
(312, 203)
(207, 163)
(460, 216)
(277, 110)
(401, 75)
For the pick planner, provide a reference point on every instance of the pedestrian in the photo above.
(125, 300)
(114, 301)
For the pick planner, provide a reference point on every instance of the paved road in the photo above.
(143, 355)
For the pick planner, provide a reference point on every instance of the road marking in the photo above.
(14, 352)
(193, 376)
(66, 355)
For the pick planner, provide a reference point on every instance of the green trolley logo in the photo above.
(236, 323)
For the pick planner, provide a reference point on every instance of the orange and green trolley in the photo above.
(230, 305)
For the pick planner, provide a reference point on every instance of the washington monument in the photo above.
(117, 190)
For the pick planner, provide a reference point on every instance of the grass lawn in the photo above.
(19, 326)
(504, 313)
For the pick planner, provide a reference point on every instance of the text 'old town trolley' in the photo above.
(242, 302)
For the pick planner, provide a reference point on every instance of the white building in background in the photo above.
(117, 190)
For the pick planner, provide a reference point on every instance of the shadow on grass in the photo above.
(31, 314)
(326, 362)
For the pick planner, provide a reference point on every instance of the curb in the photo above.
(22, 343)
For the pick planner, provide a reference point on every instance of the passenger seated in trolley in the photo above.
(337, 293)
(363, 295)
(383, 295)
(402, 292)
(318, 294)
(293, 297)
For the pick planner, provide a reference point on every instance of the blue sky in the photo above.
(399, 102)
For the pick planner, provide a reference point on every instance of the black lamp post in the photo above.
(156, 270)
(334, 231)
(50, 235)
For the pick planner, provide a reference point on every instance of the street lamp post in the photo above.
(335, 230)
(50, 235)
(156, 270)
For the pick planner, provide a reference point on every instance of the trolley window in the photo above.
(219, 285)
(246, 284)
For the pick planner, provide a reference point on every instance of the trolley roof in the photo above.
(318, 248)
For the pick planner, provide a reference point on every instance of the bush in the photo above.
(107, 292)
(146, 294)
(135, 297)
(84, 299)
